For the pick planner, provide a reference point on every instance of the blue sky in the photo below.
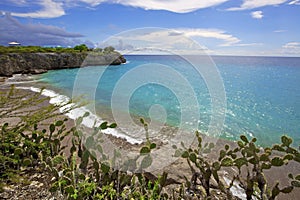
(224, 27)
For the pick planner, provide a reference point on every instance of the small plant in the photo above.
(82, 175)
(254, 160)
(23, 143)
(206, 169)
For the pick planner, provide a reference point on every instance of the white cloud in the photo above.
(292, 45)
(257, 14)
(156, 40)
(251, 4)
(280, 31)
(182, 41)
(50, 9)
(93, 2)
(18, 2)
(33, 34)
(249, 44)
(56, 8)
(295, 2)
(178, 6)
(226, 38)
(291, 48)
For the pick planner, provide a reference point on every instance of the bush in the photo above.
(248, 156)
(109, 49)
(37, 49)
(22, 142)
(81, 48)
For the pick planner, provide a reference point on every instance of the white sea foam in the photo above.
(19, 82)
(20, 79)
(90, 121)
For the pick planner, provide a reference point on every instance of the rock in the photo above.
(36, 184)
(8, 189)
(2, 79)
(36, 63)
(106, 59)
(38, 71)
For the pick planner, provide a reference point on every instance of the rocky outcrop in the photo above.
(36, 63)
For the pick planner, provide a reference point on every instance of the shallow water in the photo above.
(262, 93)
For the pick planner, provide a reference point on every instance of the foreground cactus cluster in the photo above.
(246, 156)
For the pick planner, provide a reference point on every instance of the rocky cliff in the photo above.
(36, 63)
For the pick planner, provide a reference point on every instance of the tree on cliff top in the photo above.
(81, 47)
(109, 49)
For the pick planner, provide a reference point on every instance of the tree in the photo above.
(81, 48)
(109, 49)
(98, 50)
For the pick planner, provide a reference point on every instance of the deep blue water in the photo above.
(262, 93)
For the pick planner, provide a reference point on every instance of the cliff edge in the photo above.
(36, 63)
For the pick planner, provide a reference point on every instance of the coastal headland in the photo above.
(37, 63)
(37, 60)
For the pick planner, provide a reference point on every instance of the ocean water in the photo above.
(262, 93)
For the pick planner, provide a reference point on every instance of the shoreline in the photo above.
(25, 83)
(88, 122)
(179, 168)
(94, 120)
(56, 98)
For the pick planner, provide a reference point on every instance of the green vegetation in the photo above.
(19, 149)
(31, 142)
(38, 49)
(81, 48)
(108, 49)
(247, 156)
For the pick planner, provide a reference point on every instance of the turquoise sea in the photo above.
(262, 93)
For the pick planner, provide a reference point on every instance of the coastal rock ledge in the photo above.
(37, 63)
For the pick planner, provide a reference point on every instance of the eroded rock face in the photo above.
(36, 63)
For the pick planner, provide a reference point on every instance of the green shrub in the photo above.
(248, 156)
